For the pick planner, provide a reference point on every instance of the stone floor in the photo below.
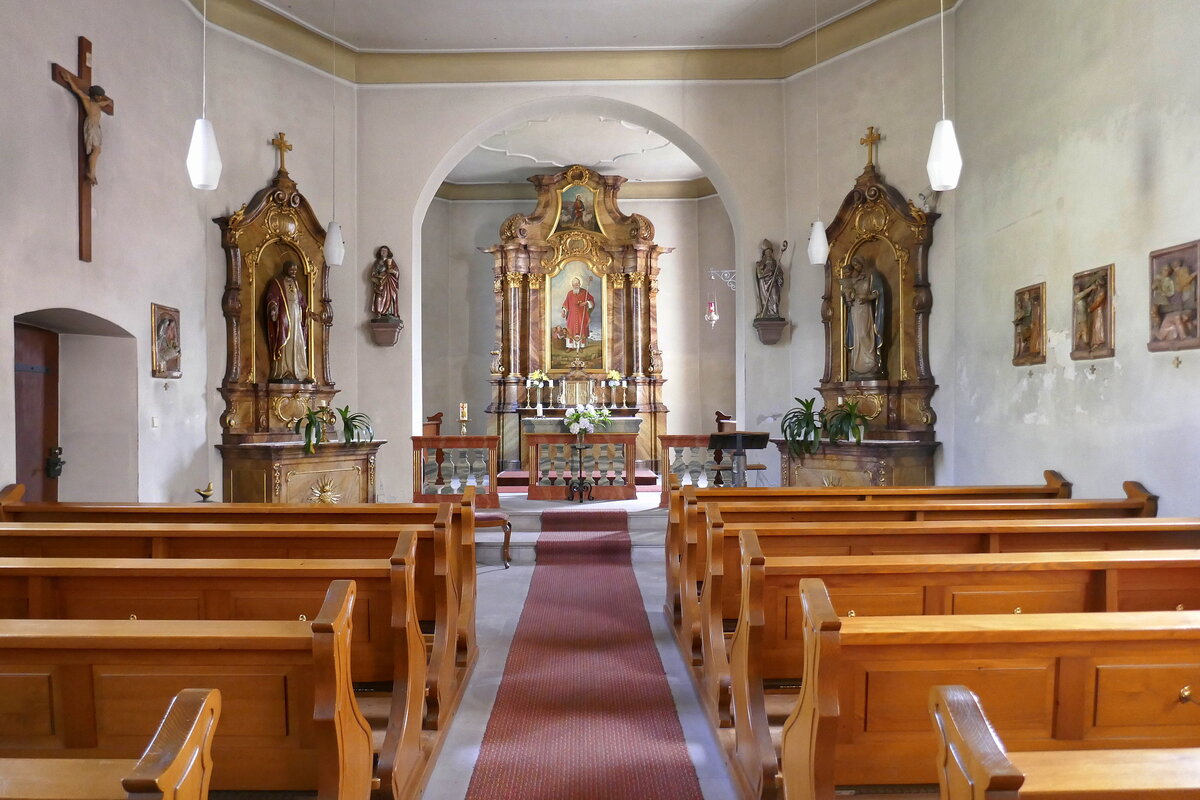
(501, 598)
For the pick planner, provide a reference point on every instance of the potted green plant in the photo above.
(356, 426)
(313, 423)
(803, 426)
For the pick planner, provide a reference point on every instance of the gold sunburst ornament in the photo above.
(322, 493)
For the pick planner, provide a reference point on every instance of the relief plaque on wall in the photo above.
(1092, 314)
(1174, 292)
(1029, 325)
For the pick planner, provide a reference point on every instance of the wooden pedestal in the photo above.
(281, 472)
(877, 463)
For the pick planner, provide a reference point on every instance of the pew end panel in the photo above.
(402, 760)
(971, 761)
(810, 733)
(343, 734)
(178, 763)
(755, 765)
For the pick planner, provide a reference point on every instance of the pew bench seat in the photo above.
(973, 763)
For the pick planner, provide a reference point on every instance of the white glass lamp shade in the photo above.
(203, 158)
(335, 246)
(945, 162)
(818, 245)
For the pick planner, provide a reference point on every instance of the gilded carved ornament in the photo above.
(576, 246)
(289, 408)
(322, 492)
(637, 279)
(577, 174)
(617, 279)
(641, 228)
(371, 471)
(535, 281)
(276, 479)
(498, 285)
(869, 405)
(514, 279)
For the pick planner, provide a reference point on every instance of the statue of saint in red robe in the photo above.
(577, 313)
(284, 310)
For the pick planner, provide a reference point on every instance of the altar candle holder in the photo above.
(624, 394)
(528, 386)
(462, 427)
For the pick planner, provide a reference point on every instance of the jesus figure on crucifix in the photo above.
(94, 102)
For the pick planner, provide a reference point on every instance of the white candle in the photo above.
(623, 384)
(551, 383)
(462, 411)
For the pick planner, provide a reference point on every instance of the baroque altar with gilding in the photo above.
(576, 287)
(875, 311)
(278, 316)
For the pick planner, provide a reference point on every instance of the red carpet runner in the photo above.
(583, 710)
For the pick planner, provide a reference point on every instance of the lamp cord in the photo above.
(942, 20)
(816, 102)
(204, 64)
(333, 161)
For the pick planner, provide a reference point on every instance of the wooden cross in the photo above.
(91, 104)
(870, 140)
(283, 146)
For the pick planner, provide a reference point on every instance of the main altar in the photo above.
(576, 286)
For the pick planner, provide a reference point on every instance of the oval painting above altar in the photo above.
(575, 317)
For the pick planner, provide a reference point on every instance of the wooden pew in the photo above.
(177, 764)
(972, 763)
(1102, 681)
(685, 510)
(387, 645)
(449, 662)
(462, 527)
(768, 644)
(289, 723)
(952, 526)
(924, 505)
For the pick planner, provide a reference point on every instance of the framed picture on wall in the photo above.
(1092, 314)
(1173, 297)
(165, 354)
(1029, 325)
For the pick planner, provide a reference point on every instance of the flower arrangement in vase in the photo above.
(582, 420)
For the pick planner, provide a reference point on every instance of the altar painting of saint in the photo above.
(166, 356)
(1174, 298)
(578, 210)
(575, 317)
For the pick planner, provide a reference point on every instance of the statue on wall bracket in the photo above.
(768, 280)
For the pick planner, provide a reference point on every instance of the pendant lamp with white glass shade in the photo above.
(818, 242)
(335, 245)
(945, 161)
(204, 158)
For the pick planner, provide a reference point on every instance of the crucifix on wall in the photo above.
(92, 102)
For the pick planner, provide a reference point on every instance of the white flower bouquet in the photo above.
(586, 419)
(537, 378)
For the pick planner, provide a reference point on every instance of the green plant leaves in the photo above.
(802, 427)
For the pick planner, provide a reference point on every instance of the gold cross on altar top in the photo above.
(283, 146)
(870, 140)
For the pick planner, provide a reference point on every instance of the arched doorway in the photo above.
(76, 389)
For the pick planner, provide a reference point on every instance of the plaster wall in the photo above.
(892, 84)
(459, 306)
(438, 125)
(152, 238)
(1077, 122)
